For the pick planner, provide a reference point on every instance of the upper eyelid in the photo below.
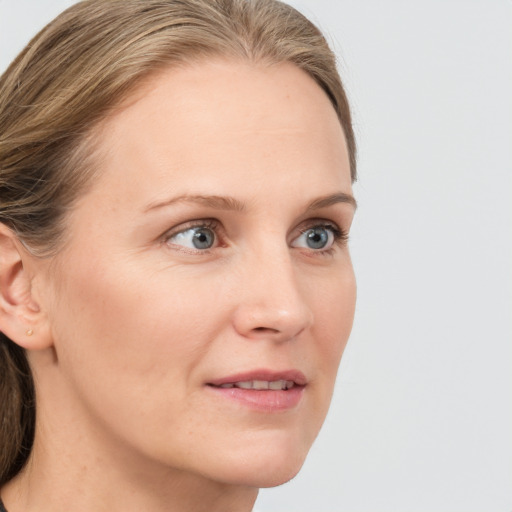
(320, 222)
(215, 224)
(310, 223)
(339, 232)
(185, 226)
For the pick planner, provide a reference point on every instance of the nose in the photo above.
(270, 302)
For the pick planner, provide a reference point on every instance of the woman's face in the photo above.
(208, 257)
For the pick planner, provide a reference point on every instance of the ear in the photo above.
(21, 317)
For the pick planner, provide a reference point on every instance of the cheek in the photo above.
(334, 307)
(132, 338)
(122, 328)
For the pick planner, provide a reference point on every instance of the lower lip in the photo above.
(263, 400)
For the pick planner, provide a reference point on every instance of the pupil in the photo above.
(317, 238)
(203, 238)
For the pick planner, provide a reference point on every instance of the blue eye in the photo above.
(316, 238)
(197, 237)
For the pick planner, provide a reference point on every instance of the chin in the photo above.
(276, 473)
(280, 475)
(263, 464)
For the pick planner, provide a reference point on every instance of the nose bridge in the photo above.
(271, 303)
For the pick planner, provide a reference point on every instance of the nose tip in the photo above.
(272, 309)
(258, 322)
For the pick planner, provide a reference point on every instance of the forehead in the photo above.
(195, 124)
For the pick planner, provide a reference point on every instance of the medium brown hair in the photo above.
(68, 79)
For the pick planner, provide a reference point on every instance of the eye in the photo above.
(201, 237)
(318, 238)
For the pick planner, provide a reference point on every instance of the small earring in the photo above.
(29, 332)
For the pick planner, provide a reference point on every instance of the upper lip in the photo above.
(262, 374)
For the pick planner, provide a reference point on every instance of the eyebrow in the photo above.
(329, 200)
(231, 204)
(215, 202)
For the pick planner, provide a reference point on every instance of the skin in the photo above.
(130, 322)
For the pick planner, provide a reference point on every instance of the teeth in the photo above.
(260, 384)
(275, 385)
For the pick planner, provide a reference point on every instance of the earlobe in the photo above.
(21, 318)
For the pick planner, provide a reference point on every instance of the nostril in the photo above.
(265, 330)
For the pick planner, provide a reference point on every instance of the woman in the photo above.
(176, 287)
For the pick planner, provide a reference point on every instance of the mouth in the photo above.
(276, 385)
(262, 390)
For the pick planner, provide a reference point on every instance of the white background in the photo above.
(422, 415)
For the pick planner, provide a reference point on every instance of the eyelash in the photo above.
(340, 236)
(211, 224)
